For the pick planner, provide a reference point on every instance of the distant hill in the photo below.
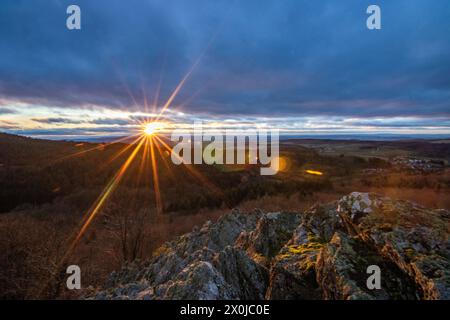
(438, 149)
(18, 150)
(35, 171)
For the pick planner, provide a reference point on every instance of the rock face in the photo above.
(323, 253)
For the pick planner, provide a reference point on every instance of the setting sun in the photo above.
(151, 128)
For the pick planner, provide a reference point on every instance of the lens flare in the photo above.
(314, 172)
(152, 128)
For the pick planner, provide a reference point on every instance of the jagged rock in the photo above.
(242, 273)
(198, 281)
(336, 271)
(322, 253)
(272, 231)
(414, 238)
(341, 272)
(293, 274)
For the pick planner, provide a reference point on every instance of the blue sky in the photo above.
(300, 66)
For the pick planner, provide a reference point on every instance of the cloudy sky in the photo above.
(305, 67)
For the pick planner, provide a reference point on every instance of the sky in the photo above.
(304, 67)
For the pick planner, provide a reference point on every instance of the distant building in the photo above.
(416, 164)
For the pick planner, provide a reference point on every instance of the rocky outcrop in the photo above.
(323, 253)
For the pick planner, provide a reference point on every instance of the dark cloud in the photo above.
(7, 111)
(77, 132)
(56, 121)
(291, 57)
(99, 121)
(112, 121)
